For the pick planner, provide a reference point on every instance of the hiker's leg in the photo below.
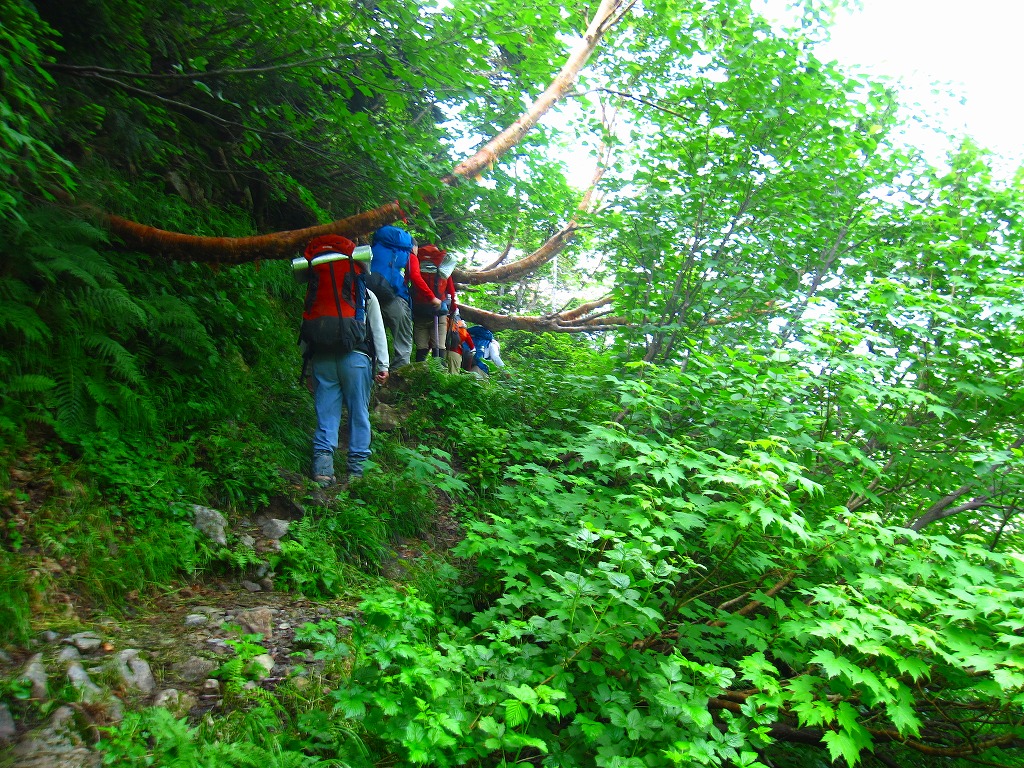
(327, 399)
(422, 329)
(356, 378)
(438, 330)
(454, 362)
(398, 319)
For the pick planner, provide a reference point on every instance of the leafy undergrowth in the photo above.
(577, 570)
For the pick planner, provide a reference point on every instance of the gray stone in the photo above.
(274, 529)
(5, 658)
(57, 745)
(196, 620)
(194, 669)
(91, 693)
(211, 523)
(387, 418)
(252, 586)
(262, 665)
(268, 545)
(168, 698)
(247, 541)
(134, 671)
(174, 701)
(85, 641)
(257, 621)
(83, 684)
(267, 583)
(8, 730)
(49, 636)
(211, 686)
(68, 654)
(35, 673)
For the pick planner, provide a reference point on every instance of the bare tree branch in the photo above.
(942, 508)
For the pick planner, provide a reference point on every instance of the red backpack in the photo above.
(334, 318)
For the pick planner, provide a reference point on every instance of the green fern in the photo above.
(70, 398)
(116, 307)
(30, 383)
(120, 361)
(22, 320)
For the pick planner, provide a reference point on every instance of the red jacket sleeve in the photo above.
(421, 291)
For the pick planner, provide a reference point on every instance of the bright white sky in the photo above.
(973, 46)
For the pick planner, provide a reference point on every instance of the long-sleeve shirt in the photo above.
(412, 271)
(492, 352)
(445, 288)
(376, 323)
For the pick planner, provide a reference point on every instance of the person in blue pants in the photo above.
(342, 380)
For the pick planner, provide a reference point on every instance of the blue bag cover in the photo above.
(393, 237)
(481, 336)
(391, 247)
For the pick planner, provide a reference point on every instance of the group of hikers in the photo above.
(352, 295)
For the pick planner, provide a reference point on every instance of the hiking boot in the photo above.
(323, 469)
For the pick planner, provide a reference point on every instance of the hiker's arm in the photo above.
(420, 287)
(380, 341)
(494, 353)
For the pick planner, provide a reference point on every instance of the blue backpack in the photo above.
(391, 247)
(481, 336)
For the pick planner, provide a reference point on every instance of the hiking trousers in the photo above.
(342, 380)
(398, 319)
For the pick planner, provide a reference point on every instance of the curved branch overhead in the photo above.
(523, 267)
(281, 245)
(607, 15)
(549, 249)
(240, 250)
(558, 322)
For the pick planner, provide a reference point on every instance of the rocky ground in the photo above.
(165, 649)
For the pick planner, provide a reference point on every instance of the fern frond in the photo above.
(121, 361)
(189, 344)
(168, 311)
(106, 421)
(97, 390)
(133, 409)
(24, 320)
(70, 398)
(114, 304)
(56, 266)
(30, 382)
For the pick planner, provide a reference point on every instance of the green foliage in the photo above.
(156, 737)
(312, 560)
(29, 166)
(801, 522)
(15, 610)
(662, 594)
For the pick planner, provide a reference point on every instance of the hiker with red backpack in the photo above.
(433, 306)
(345, 348)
